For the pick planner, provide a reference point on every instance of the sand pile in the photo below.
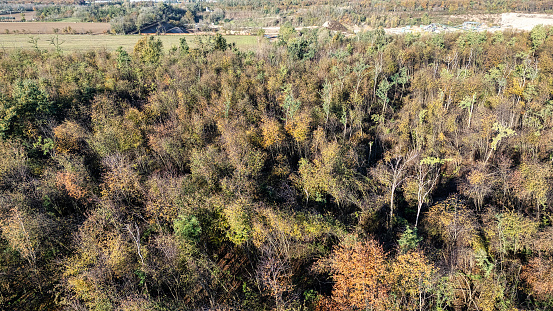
(334, 25)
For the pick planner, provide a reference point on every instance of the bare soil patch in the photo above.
(525, 21)
(489, 19)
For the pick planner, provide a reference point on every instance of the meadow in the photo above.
(53, 27)
(71, 43)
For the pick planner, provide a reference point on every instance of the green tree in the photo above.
(538, 36)
(220, 43)
(148, 50)
(285, 33)
(26, 111)
(183, 45)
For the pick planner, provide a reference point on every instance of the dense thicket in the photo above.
(318, 173)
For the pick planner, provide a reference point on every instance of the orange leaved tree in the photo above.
(358, 270)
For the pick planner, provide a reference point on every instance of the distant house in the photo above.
(159, 28)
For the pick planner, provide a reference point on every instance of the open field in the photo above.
(108, 42)
(50, 27)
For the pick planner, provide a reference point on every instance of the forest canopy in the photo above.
(321, 172)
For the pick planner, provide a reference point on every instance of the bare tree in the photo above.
(274, 270)
(136, 239)
(428, 172)
(392, 172)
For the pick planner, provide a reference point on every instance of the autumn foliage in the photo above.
(359, 272)
(319, 172)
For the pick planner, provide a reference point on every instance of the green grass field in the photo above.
(69, 20)
(69, 43)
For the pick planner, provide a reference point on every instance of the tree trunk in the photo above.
(391, 206)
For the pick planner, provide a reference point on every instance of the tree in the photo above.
(238, 216)
(326, 96)
(539, 275)
(531, 183)
(115, 130)
(220, 43)
(103, 257)
(148, 50)
(538, 36)
(69, 137)
(511, 232)
(121, 181)
(13, 163)
(409, 240)
(426, 177)
(274, 273)
(272, 133)
(410, 277)
(146, 16)
(20, 230)
(359, 272)
(73, 177)
(285, 33)
(479, 184)
(183, 46)
(123, 24)
(274, 269)
(452, 222)
(27, 110)
(391, 172)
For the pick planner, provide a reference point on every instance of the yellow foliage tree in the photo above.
(531, 185)
(299, 126)
(272, 132)
(511, 232)
(479, 184)
(69, 137)
(20, 230)
(452, 222)
(104, 254)
(410, 275)
(238, 217)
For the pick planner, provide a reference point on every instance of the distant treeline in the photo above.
(124, 18)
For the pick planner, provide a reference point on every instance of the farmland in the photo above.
(53, 27)
(108, 42)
